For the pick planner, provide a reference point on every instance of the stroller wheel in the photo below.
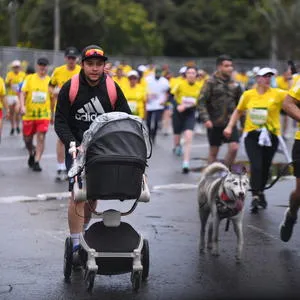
(145, 259)
(68, 255)
(136, 279)
(89, 281)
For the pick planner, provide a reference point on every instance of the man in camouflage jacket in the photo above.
(217, 101)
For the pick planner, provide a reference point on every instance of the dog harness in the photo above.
(223, 209)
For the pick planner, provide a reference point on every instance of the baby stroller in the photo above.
(111, 166)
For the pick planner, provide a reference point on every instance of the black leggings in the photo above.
(260, 158)
(153, 118)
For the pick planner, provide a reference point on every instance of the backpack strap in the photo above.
(112, 91)
(74, 87)
(110, 85)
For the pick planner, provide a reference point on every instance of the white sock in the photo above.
(61, 166)
(75, 239)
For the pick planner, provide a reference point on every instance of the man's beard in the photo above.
(92, 80)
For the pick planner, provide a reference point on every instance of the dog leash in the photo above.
(279, 175)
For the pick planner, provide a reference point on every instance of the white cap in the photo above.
(255, 70)
(265, 71)
(142, 68)
(16, 63)
(133, 73)
(182, 70)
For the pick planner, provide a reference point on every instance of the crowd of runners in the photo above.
(228, 105)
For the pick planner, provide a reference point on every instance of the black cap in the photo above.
(92, 51)
(43, 61)
(71, 52)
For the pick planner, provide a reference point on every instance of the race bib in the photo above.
(152, 97)
(189, 101)
(258, 116)
(39, 97)
(15, 87)
(133, 106)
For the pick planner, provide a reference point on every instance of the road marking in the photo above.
(175, 186)
(53, 196)
(200, 146)
(19, 198)
(13, 158)
(39, 197)
(257, 229)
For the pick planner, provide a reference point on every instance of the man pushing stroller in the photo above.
(80, 101)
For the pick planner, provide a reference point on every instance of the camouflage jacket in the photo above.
(218, 99)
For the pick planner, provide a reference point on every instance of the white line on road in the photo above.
(19, 198)
(257, 229)
(200, 146)
(175, 186)
(23, 157)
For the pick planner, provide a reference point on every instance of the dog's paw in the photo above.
(209, 246)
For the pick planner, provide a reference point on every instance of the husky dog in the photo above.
(221, 193)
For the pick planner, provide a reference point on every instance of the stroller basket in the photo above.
(115, 161)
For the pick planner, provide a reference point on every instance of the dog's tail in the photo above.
(213, 168)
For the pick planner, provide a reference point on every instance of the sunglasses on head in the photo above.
(93, 52)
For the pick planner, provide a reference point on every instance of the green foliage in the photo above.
(205, 28)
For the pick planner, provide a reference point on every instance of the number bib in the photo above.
(258, 116)
(189, 101)
(15, 87)
(39, 97)
(133, 106)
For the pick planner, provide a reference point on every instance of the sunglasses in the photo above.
(94, 52)
(267, 75)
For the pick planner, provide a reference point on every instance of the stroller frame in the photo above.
(111, 218)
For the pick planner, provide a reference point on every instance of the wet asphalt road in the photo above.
(33, 234)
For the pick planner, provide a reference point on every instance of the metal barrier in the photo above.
(29, 57)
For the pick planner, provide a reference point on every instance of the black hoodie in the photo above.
(71, 121)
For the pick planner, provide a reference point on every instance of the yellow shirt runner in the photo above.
(2, 92)
(295, 93)
(136, 98)
(12, 82)
(37, 101)
(263, 110)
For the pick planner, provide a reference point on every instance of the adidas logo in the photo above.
(90, 111)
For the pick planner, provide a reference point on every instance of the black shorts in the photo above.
(296, 158)
(183, 121)
(216, 138)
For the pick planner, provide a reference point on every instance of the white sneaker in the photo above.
(145, 194)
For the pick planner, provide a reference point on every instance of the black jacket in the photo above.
(71, 121)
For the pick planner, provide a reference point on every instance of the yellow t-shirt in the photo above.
(263, 110)
(136, 98)
(122, 82)
(282, 83)
(37, 101)
(13, 81)
(295, 93)
(61, 75)
(185, 93)
(125, 68)
(2, 92)
(242, 78)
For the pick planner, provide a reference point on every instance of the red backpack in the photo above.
(110, 85)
